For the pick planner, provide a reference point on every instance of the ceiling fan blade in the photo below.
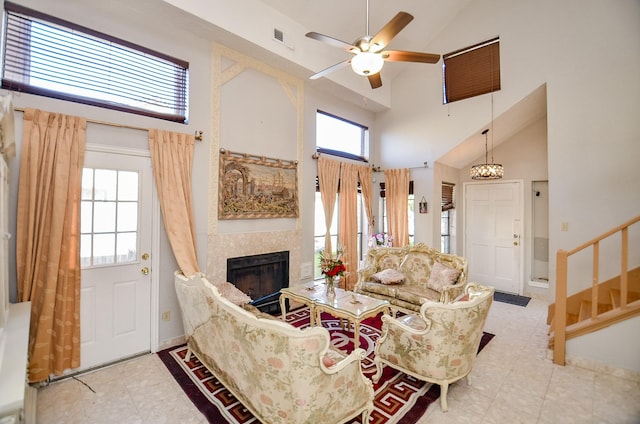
(375, 80)
(330, 69)
(330, 40)
(404, 56)
(390, 30)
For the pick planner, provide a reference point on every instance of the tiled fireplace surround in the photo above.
(232, 245)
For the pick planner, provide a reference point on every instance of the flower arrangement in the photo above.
(332, 265)
(380, 240)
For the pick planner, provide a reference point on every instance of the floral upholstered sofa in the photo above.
(282, 374)
(406, 276)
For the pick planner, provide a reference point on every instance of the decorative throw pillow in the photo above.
(232, 293)
(442, 275)
(388, 276)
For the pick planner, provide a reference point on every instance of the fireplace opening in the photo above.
(261, 277)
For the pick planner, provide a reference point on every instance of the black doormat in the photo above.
(513, 299)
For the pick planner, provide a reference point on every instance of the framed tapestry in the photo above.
(252, 187)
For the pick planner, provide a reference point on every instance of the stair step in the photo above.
(585, 309)
(615, 297)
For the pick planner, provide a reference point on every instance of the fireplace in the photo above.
(261, 277)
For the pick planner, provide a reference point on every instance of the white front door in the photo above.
(115, 252)
(493, 229)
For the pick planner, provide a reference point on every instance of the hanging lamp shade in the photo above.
(486, 170)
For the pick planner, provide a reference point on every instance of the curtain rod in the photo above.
(197, 135)
(377, 168)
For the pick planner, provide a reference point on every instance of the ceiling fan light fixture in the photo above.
(367, 63)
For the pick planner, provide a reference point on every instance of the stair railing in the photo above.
(562, 258)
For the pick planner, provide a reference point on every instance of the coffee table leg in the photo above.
(356, 335)
(312, 316)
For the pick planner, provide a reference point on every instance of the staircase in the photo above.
(596, 307)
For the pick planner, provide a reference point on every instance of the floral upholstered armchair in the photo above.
(439, 344)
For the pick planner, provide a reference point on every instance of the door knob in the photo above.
(145, 270)
(515, 243)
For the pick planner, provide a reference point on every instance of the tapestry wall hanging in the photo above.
(254, 187)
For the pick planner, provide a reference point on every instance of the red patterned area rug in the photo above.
(399, 398)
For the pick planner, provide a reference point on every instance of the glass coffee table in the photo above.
(352, 307)
(345, 305)
(308, 295)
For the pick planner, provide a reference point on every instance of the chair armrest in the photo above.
(357, 355)
(390, 321)
(451, 292)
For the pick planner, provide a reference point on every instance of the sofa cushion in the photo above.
(442, 275)
(389, 261)
(415, 295)
(388, 276)
(415, 267)
(373, 287)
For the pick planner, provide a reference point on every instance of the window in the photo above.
(339, 137)
(47, 56)
(109, 217)
(471, 71)
(410, 211)
(446, 217)
(320, 226)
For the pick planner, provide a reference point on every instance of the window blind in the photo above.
(47, 56)
(472, 71)
(447, 196)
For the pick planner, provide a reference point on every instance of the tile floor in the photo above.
(512, 382)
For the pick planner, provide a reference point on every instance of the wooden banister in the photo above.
(560, 308)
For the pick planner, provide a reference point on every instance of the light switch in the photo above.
(306, 270)
(564, 226)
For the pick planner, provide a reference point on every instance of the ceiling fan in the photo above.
(369, 51)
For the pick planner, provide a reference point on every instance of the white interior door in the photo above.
(493, 229)
(115, 253)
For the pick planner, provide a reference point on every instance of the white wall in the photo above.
(587, 54)
(586, 51)
(181, 44)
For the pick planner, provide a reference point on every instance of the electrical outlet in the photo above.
(166, 316)
(564, 226)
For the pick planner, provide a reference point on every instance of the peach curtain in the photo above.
(348, 222)
(328, 178)
(365, 175)
(397, 195)
(172, 157)
(48, 238)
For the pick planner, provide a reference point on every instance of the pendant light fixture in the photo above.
(486, 170)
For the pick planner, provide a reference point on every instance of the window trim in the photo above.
(181, 105)
(342, 154)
